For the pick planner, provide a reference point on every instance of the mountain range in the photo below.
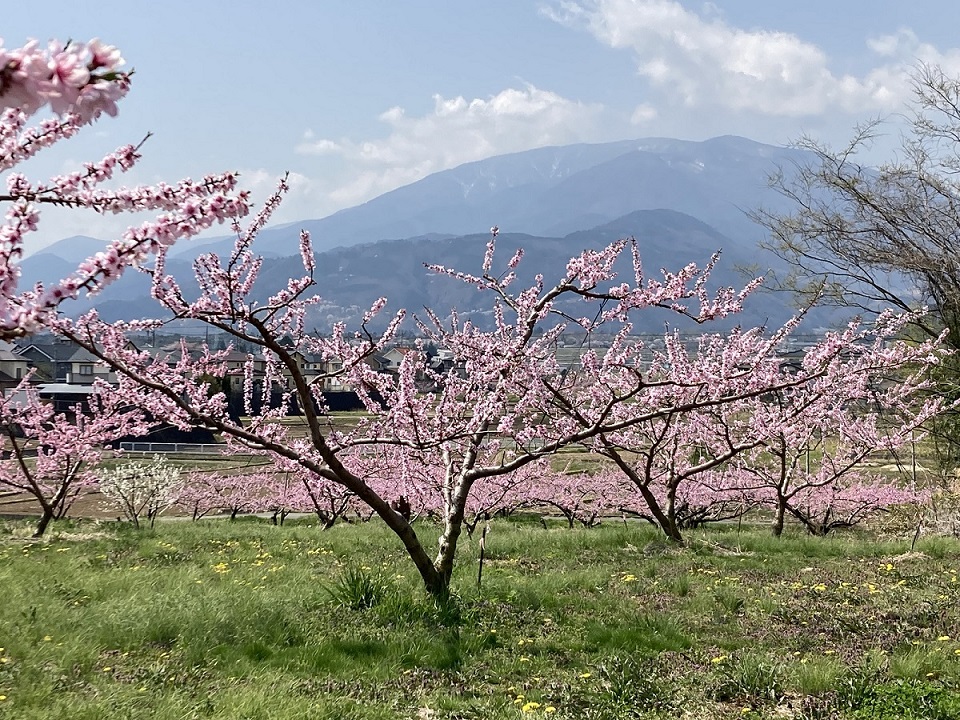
(682, 201)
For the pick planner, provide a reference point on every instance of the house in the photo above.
(237, 363)
(49, 359)
(85, 367)
(61, 361)
(13, 368)
(391, 359)
(317, 369)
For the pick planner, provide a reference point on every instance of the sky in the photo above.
(356, 97)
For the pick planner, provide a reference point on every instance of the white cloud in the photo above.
(643, 114)
(699, 60)
(309, 146)
(904, 49)
(456, 131)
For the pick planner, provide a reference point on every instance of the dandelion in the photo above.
(530, 707)
(549, 709)
(718, 659)
(47, 638)
(2, 698)
(585, 675)
(943, 638)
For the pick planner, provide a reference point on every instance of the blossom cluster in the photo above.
(81, 79)
(79, 82)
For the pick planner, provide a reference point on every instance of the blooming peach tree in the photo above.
(507, 405)
(78, 82)
(743, 419)
(52, 455)
(451, 439)
(871, 395)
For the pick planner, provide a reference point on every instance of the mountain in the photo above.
(350, 279)
(554, 191)
(682, 200)
(74, 249)
(57, 261)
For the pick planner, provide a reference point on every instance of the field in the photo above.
(243, 619)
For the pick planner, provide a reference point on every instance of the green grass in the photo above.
(246, 620)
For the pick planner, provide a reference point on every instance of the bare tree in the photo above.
(886, 236)
(882, 236)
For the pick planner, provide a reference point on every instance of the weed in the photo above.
(729, 601)
(679, 585)
(815, 675)
(906, 700)
(358, 588)
(748, 679)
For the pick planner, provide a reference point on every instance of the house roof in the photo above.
(57, 351)
(237, 356)
(83, 356)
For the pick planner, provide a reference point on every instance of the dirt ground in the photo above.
(90, 506)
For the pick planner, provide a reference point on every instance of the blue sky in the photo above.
(356, 97)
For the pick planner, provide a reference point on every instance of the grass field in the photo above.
(246, 620)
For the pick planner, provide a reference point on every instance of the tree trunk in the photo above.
(672, 530)
(434, 581)
(45, 519)
(662, 520)
(443, 563)
(779, 519)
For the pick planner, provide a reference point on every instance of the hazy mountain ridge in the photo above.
(350, 279)
(553, 191)
(682, 200)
